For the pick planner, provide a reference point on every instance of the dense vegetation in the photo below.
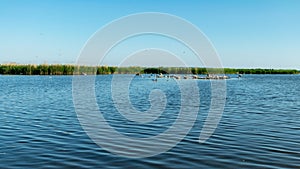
(72, 69)
(261, 71)
(54, 69)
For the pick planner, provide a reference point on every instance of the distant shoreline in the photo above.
(60, 69)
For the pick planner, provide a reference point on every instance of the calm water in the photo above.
(260, 126)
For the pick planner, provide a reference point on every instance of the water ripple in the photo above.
(259, 129)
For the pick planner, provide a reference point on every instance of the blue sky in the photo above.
(248, 33)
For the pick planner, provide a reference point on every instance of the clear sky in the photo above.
(246, 33)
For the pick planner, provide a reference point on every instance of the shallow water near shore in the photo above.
(259, 128)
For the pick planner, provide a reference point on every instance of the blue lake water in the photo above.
(260, 126)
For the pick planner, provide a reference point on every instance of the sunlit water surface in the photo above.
(260, 126)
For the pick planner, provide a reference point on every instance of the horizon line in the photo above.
(74, 64)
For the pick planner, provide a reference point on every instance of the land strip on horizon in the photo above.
(61, 69)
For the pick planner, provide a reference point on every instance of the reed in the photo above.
(58, 69)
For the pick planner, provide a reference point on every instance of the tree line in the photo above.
(77, 70)
(54, 69)
(261, 71)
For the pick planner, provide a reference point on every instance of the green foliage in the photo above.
(91, 70)
(37, 69)
(260, 71)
